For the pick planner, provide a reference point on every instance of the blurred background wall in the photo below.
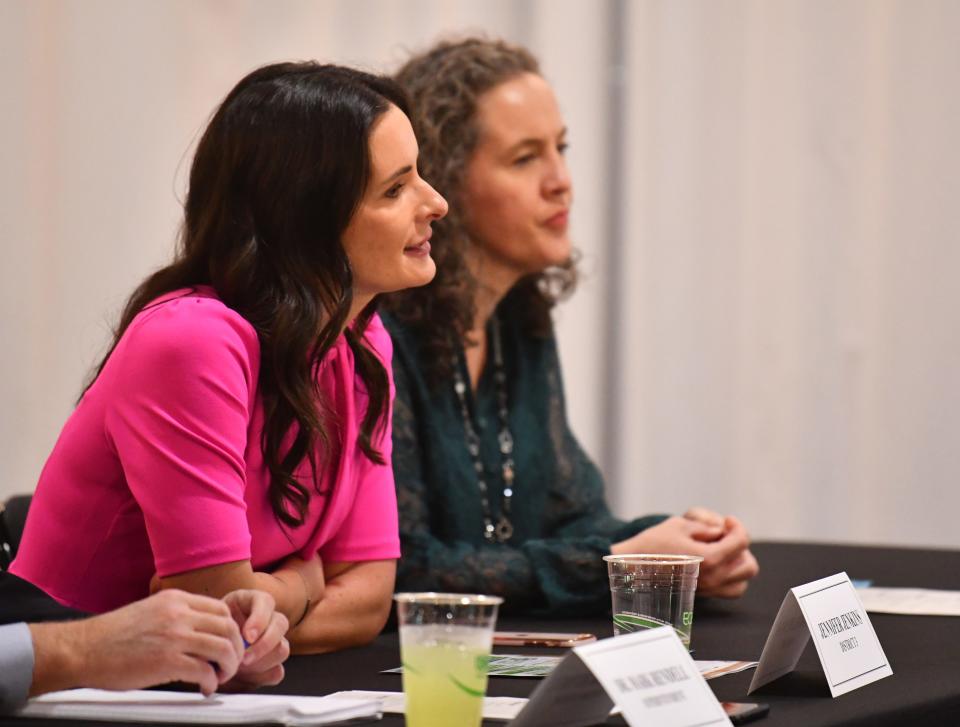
(768, 207)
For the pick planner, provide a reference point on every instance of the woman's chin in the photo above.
(556, 259)
(420, 273)
(556, 251)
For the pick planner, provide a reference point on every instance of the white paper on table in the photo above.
(157, 706)
(501, 709)
(910, 601)
(511, 665)
(537, 667)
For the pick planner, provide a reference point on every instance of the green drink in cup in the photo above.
(445, 643)
(653, 590)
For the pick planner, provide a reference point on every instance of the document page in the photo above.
(910, 601)
(171, 707)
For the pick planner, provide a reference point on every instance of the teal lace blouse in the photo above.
(562, 526)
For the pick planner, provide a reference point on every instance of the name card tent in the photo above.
(648, 674)
(828, 611)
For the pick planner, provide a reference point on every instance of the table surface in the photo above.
(924, 651)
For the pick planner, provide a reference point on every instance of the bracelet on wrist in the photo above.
(306, 600)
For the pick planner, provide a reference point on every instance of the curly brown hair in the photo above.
(444, 85)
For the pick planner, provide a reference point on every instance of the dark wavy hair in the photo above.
(277, 176)
(444, 85)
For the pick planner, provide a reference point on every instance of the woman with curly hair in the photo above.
(495, 493)
(237, 433)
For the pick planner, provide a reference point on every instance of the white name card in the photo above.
(649, 675)
(828, 611)
(653, 680)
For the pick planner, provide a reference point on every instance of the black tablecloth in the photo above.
(924, 651)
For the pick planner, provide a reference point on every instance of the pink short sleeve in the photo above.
(178, 421)
(370, 531)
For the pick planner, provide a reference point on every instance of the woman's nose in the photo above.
(436, 205)
(558, 177)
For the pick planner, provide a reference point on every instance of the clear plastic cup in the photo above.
(651, 590)
(445, 643)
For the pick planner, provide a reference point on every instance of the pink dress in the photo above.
(160, 468)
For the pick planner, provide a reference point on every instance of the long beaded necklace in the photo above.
(502, 531)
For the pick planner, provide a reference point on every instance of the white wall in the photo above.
(793, 322)
(788, 339)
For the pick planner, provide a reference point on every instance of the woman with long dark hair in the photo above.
(496, 494)
(237, 433)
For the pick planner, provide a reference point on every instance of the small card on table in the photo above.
(648, 674)
(828, 611)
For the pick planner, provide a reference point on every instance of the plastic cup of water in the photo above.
(649, 590)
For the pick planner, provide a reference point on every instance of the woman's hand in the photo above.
(723, 543)
(264, 630)
(705, 516)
